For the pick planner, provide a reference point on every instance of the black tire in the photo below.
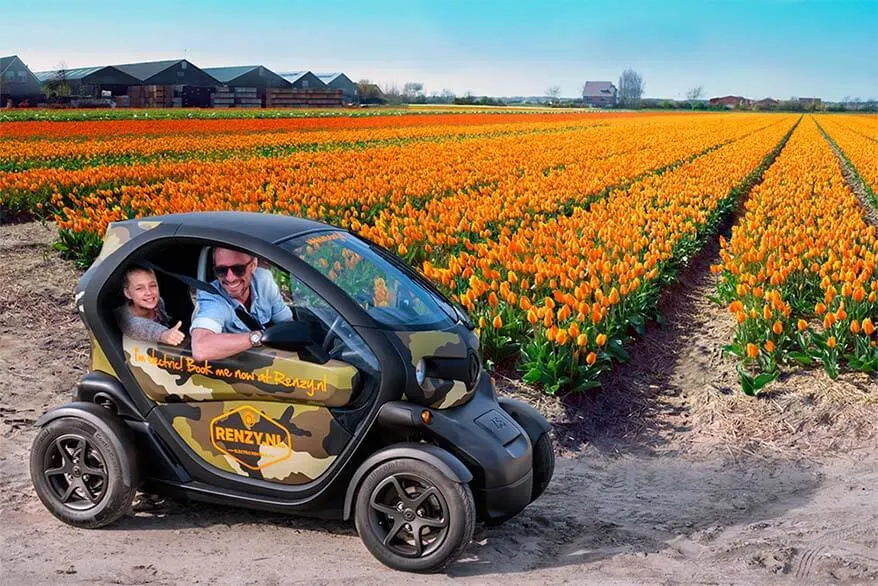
(77, 474)
(543, 465)
(391, 527)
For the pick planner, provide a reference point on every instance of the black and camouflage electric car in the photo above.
(372, 403)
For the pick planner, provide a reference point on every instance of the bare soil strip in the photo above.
(675, 476)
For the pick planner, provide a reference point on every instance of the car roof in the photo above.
(268, 227)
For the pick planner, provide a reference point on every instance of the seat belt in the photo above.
(245, 316)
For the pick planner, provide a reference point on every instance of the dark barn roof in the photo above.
(227, 74)
(248, 76)
(335, 79)
(6, 62)
(17, 80)
(328, 78)
(295, 77)
(27, 86)
(90, 75)
(171, 72)
(144, 71)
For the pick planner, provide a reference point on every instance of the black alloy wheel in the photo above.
(411, 514)
(412, 517)
(77, 473)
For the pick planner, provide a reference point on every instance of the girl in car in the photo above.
(143, 316)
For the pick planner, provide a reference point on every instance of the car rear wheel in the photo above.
(412, 517)
(77, 474)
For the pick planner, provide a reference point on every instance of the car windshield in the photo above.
(387, 293)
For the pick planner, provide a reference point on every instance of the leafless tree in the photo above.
(694, 94)
(553, 92)
(412, 90)
(392, 93)
(630, 88)
(57, 86)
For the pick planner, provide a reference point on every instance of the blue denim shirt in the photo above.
(217, 313)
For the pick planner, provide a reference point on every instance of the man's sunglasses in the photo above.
(238, 270)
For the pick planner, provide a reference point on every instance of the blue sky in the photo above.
(778, 48)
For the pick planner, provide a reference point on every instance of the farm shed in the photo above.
(88, 81)
(340, 81)
(600, 94)
(165, 84)
(810, 103)
(17, 82)
(766, 104)
(173, 72)
(307, 91)
(730, 101)
(244, 86)
(248, 76)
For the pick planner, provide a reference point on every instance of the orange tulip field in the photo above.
(557, 232)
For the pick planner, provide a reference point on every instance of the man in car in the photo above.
(217, 330)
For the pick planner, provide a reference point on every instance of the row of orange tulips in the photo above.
(799, 272)
(567, 293)
(23, 154)
(85, 170)
(556, 234)
(349, 188)
(583, 172)
(199, 155)
(857, 137)
(63, 178)
(112, 129)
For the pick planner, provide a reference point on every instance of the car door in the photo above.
(265, 413)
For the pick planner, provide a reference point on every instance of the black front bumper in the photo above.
(504, 501)
(492, 445)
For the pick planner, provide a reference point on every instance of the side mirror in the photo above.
(294, 336)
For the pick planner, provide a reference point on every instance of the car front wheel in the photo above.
(77, 474)
(412, 517)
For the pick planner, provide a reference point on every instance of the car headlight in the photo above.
(421, 371)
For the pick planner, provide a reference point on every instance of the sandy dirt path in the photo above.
(669, 476)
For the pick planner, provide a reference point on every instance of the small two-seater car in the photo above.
(372, 403)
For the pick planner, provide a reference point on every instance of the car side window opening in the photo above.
(387, 294)
(331, 335)
(328, 329)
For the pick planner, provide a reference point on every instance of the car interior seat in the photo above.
(204, 272)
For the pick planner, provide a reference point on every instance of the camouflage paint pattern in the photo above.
(118, 233)
(98, 361)
(277, 442)
(441, 393)
(168, 373)
(458, 395)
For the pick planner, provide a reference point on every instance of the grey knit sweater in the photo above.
(141, 328)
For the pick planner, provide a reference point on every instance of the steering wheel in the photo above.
(406, 302)
(327, 341)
